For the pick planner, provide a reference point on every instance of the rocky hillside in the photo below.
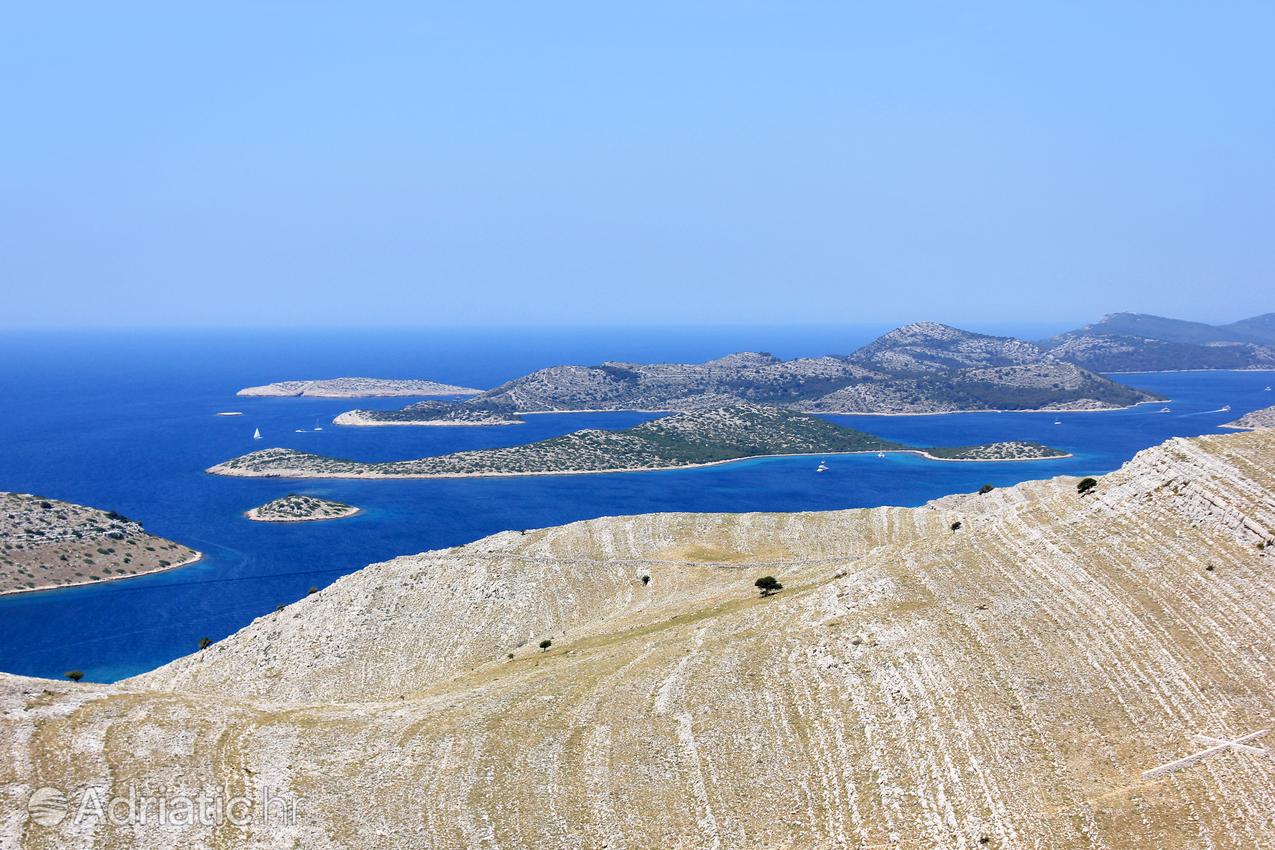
(1264, 418)
(48, 543)
(356, 387)
(685, 439)
(921, 368)
(1134, 342)
(1004, 683)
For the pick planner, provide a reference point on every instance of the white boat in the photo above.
(1268, 389)
(1225, 408)
(1057, 421)
(880, 454)
(1165, 410)
(256, 434)
(300, 430)
(823, 467)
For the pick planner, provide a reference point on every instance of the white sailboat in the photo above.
(256, 434)
(823, 467)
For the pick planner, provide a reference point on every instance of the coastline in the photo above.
(1176, 371)
(871, 413)
(198, 556)
(212, 470)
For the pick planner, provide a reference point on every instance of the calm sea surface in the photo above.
(126, 422)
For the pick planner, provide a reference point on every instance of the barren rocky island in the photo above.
(49, 543)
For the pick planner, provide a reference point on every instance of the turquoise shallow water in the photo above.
(127, 423)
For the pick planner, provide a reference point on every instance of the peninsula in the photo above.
(356, 388)
(298, 508)
(428, 413)
(683, 440)
(994, 670)
(48, 543)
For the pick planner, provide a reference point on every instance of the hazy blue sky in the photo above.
(581, 163)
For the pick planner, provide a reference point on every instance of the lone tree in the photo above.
(545, 644)
(1085, 485)
(956, 525)
(768, 585)
(205, 642)
(74, 675)
(985, 489)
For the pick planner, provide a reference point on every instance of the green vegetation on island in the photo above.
(686, 439)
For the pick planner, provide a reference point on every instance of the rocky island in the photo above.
(298, 508)
(427, 413)
(1263, 418)
(355, 388)
(998, 670)
(920, 368)
(48, 543)
(683, 440)
(1137, 342)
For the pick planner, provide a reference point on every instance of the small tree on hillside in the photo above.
(768, 585)
(545, 644)
(985, 489)
(1085, 485)
(205, 642)
(74, 675)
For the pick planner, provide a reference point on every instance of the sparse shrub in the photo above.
(545, 644)
(278, 608)
(985, 489)
(312, 591)
(1085, 485)
(646, 580)
(956, 525)
(205, 642)
(74, 675)
(768, 585)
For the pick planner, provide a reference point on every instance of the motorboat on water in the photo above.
(823, 467)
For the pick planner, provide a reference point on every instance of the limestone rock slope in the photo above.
(1003, 684)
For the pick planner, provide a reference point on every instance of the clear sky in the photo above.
(461, 163)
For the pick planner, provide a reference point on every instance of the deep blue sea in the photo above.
(126, 422)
